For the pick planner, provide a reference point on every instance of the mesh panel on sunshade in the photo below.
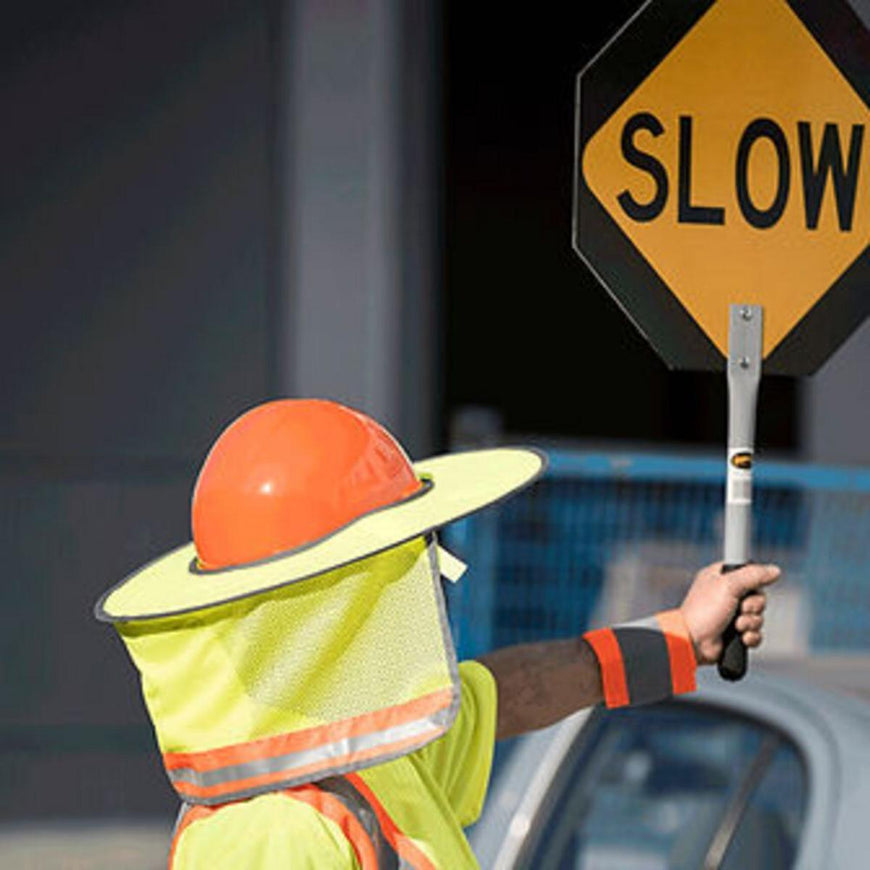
(345, 643)
(369, 636)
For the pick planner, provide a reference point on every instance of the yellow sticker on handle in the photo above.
(742, 460)
(739, 486)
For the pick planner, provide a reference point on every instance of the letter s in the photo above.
(638, 211)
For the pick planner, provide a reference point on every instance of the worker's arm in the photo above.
(540, 683)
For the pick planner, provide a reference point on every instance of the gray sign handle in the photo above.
(744, 375)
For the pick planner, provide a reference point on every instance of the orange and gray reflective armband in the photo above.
(644, 661)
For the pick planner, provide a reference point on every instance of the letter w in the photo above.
(830, 162)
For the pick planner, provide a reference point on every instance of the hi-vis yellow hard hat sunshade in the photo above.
(441, 489)
(351, 668)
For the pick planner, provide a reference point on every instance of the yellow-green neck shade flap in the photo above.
(337, 672)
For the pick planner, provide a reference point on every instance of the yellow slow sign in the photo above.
(739, 168)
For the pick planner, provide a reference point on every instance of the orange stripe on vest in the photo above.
(331, 807)
(402, 844)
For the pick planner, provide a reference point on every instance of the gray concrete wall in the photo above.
(360, 126)
(137, 298)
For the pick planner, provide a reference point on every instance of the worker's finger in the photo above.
(754, 603)
(751, 638)
(750, 577)
(749, 622)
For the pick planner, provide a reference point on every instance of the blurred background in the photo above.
(207, 205)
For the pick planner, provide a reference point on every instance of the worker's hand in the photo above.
(713, 599)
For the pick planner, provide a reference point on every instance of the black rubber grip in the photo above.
(732, 661)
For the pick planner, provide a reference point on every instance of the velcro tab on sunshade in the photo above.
(450, 566)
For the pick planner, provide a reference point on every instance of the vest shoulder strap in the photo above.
(347, 801)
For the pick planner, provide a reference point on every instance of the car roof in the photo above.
(849, 674)
(801, 695)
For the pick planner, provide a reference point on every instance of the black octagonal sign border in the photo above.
(602, 86)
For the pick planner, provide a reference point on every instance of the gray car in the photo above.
(770, 773)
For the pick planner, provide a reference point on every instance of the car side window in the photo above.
(649, 788)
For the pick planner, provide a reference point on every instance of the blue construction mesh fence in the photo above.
(605, 538)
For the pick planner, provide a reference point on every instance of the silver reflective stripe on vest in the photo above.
(426, 728)
(183, 810)
(354, 802)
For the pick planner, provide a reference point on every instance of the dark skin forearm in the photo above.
(541, 683)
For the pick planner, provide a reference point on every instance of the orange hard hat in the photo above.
(289, 473)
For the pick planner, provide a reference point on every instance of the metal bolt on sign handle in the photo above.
(744, 374)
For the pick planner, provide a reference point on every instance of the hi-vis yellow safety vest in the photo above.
(407, 813)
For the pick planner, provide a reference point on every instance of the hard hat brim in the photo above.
(458, 484)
